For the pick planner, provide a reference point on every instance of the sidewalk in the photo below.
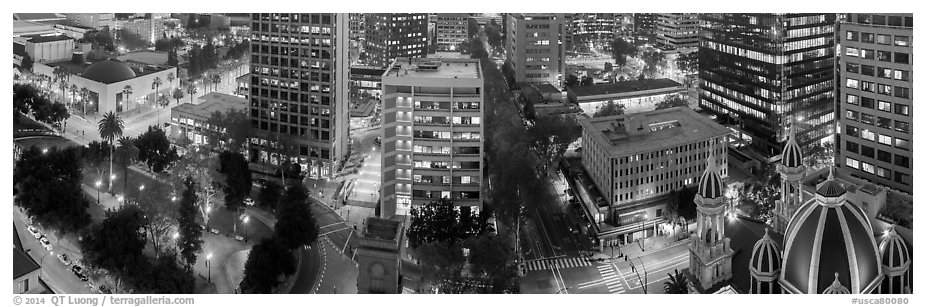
(643, 248)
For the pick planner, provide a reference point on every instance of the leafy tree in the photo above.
(494, 34)
(160, 216)
(190, 234)
(163, 102)
(178, 94)
(110, 127)
(572, 80)
(586, 81)
(269, 195)
(295, 224)
(234, 167)
(609, 109)
(202, 168)
(95, 155)
(172, 58)
(440, 221)
(549, 137)
(190, 89)
(608, 66)
(267, 262)
(439, 261)
(671, 101)
(154, 149)
(488, 254)
(117, 243)
(621, 50)
(27, 63)
(48, 182)
(234, 129)
(676, 284)
(131, 40)
(529, 112)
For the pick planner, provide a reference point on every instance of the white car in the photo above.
(35, 232)
(65, 260)
(45, 243)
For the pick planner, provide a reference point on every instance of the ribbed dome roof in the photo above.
(766, 256)
(711, 184)
(791, 155)
(826, 238)
(894, 251)
(109, 71)
(836, 287)
(830, 188)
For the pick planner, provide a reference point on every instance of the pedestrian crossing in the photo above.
(609, 279)
(535, 265)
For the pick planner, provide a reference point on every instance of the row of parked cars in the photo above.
(66, 260)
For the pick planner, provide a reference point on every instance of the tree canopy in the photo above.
(296, 225)
(671, 101)
(48, 185)
(609, 109)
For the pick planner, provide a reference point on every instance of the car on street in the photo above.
(65, 260)
(79, 272)
(45, 243)
(35, 232)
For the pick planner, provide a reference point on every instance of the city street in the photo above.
(58, 276)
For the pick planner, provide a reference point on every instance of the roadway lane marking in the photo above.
(610, 279)
(561, 263)
(329, 225)
(336, 230)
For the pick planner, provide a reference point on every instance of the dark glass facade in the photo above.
(761, 73)
(393, 35)
(298, 100)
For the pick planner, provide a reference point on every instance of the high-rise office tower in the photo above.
(677, 30)
(535, 44)
(393, 35)
(451, 30)
(594, 27)
(876, 103)
(432, 134)
(299, 90)
(644, 23)
(763, 73)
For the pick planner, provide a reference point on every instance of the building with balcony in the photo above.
(876, 103)
(299, 90)
(635, 160)
(432, 130)
(677, 30)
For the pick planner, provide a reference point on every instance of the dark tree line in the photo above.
(167, 44)
(47, 184)
(155, 150)
(440, 221)
(273, 258)
(27, 98)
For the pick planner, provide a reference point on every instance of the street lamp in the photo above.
(245, 221)
(208, 210)
(208, 266)
(98, 183)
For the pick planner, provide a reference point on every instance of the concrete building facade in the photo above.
(191, 120)
(432, 134)
(636, 96)
(677, 30)
(393, 35)
(876, 103)
(299, 90)
(536, 47)
(451, 30)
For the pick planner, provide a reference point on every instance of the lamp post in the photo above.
(208, 266)
(245, 226)
(208, 210)
(97, 184)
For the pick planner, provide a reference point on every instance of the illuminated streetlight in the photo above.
(208, 267)
(98, 183)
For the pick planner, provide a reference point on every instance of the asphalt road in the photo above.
(58, 276)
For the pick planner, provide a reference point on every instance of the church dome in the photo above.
(829, 235)
(894, 251)
(766, 257)
(836, 287)
(711, 185)
(109, 71)
(791, 155)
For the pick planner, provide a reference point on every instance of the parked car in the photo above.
(79, 272)
(45, 243)
(35, 232)
(65, 260)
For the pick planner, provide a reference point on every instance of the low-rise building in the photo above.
(366, 81)
(191, 120)
(48, 47)
(379, 256)
(636, 95)
(635, 160)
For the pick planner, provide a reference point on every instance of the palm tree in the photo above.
(60, 72)
(110, 128)
(216, 80)
(127, 91)
(84, 97)
(127, 152)
(192, 90)
(163, 102)
(677, 283)
(170, 79)
(157, 86)
(178, 94)
(73, 93)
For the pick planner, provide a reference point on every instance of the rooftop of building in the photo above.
(149, 57)
(383, 229)
(37, 39)
(20, 26)
(449, 55)
(22, 263)
(36, 16)
(213, 102)
(435, 68)
(19, 49)
(245, 78)
(110, 70)
(367, 70)
(621, 135)
(623, 87)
